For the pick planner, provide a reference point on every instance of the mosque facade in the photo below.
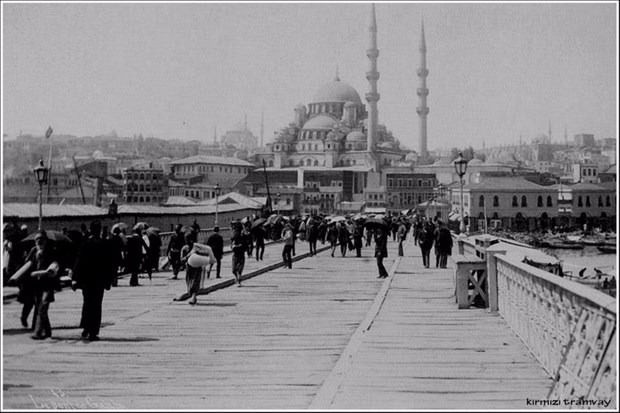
(336, 128)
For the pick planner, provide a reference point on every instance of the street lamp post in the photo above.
(40, 172)
(278, 203)
(217, 194)
(460, 165)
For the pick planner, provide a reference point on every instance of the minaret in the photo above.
(422, 91)
(549, 131)
(245, 121)
(215, 135)
(372, 75)
(565, 135)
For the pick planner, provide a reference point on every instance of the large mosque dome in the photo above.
(336, 91)
(320, 122)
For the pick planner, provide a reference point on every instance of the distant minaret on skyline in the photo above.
(372, 75)
(215, 135)
(422, 109)
(549, 131)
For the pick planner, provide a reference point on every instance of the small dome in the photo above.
(356, 136)
(349, 104)
(337, 91)
(386, 145)
(321, 121)
(97, 154)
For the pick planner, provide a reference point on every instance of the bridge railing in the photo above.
(568, 327)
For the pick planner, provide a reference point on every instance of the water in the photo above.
(589, 257)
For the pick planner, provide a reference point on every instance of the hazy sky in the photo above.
(176, 70)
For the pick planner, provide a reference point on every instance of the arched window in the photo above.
(141, 199)
(308, 162)
(290, 162)
(142, 176)
(523, 201)
(549, 201)
(588, 201)
(600, 201)
(481, 201)
(608, 201)
(148, 199)
(270, 163)
(141, 188)
(495, 201)
(580, 201)
(539, 201)
(316, 163)
(515, 202)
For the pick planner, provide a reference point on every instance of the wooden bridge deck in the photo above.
(277, 343)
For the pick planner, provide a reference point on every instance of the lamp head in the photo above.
(41, 172)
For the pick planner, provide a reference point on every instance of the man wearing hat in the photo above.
(216, 242)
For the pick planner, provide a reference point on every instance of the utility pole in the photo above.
(267, 186)
(77, 172)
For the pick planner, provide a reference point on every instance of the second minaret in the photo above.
(372, 75)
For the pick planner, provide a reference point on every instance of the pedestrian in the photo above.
(426, 239)
(287, 236)
(437, 244)
(259, 234)
(154, 250)
(42, 266)
(445, 245)
(197, 257)
(116, 247)
(13, 260)
(402, 236)
(93, 274)
(216, 242)
(322, 230)
(247, 234)
(332, 236)
(394, 228)
(358, 236)
(133, 260)
(312, 234)
(294, 227)
(238, 251)
(381, 253)
(175, 245)
(343, 238)
(369, 236)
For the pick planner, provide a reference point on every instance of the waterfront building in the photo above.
(518, 204)
(144, 185)
(405, 188)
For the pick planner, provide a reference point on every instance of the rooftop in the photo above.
(211, 160)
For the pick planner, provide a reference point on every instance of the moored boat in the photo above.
(607, 249)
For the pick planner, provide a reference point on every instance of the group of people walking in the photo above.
(101, 255)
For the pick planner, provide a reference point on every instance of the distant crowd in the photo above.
(92, 258)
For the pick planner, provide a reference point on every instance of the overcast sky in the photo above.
(497, 71)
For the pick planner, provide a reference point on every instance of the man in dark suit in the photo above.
(216, 242)
(93, 273)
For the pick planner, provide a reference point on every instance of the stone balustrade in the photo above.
(568, 327)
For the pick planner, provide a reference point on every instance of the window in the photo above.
(587, 201)
(515, 202)
(481, 201)
(608, 201)
(580, 201)
(495, 201)
(523, 201)
(540, 201)
(549, 201)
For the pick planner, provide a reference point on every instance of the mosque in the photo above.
(331, 157)
(336, 129)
